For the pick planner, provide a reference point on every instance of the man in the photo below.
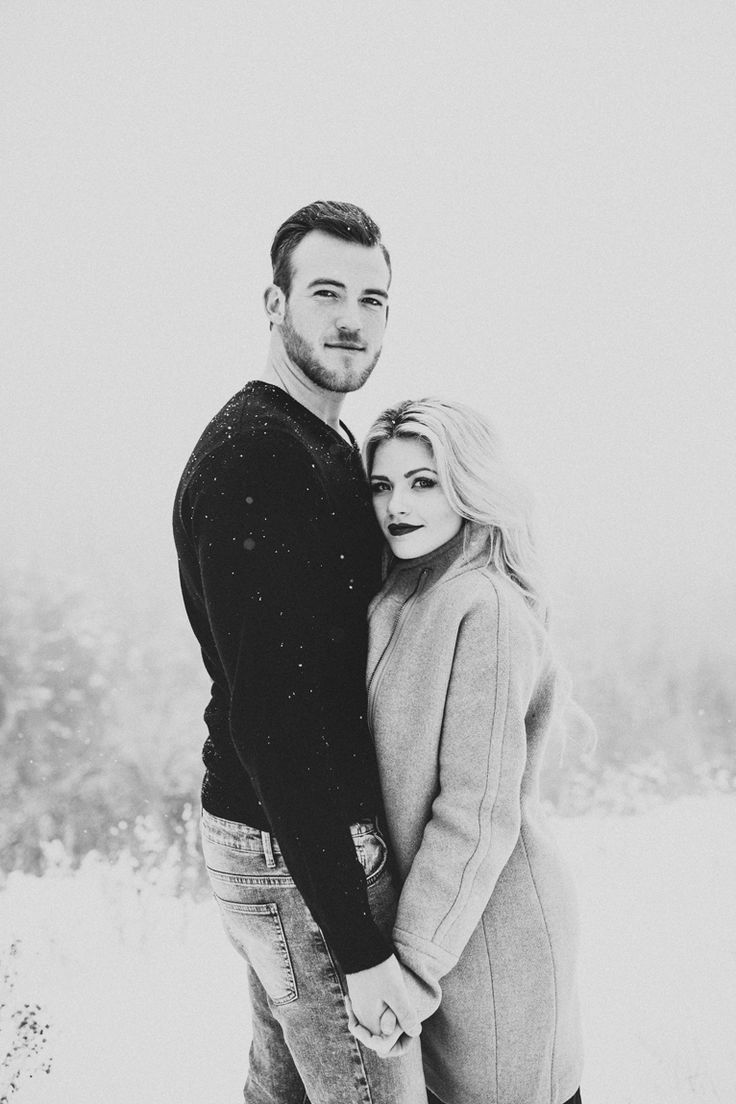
(279, 556)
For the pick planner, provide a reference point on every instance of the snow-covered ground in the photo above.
(145, 997)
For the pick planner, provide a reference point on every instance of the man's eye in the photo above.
(369, 301)
(325, 293)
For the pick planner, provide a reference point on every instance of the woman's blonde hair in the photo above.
(477, 480)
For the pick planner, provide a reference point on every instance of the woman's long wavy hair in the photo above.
(479, 484)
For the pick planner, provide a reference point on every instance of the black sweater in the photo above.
(279, 555)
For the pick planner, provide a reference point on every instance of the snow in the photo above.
(658, 968)
(145, 997)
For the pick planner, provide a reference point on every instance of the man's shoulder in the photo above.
(252, 428)
(251, 414)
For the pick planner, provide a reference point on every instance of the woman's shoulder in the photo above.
(485, 585)
(487, 598)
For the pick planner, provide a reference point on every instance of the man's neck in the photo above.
(280, 372)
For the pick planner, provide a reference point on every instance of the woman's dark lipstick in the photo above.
(400, 529)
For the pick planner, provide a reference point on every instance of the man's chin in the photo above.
(355, 376)
(342, 380)
(353, 383)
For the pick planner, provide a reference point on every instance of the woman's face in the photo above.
(411, 507)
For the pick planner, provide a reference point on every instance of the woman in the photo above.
(463, 691)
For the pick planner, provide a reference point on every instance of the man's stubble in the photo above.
(304, 356)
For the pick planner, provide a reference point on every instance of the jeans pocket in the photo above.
(257, 933)
(373, 854)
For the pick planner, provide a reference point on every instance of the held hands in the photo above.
(391, 1044)
(380, 1013)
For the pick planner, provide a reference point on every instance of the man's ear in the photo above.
(274, 302)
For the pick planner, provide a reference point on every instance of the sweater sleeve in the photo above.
(261, 524)
(476, 815)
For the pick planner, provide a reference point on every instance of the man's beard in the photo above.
(303, 355)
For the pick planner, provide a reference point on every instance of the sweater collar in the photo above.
(301, 414)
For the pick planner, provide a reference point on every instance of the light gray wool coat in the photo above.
(462, 694)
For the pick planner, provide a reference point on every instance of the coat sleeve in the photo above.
(271, 579)
(476, 815)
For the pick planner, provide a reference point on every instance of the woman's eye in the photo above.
(424, 481)
(378, 488)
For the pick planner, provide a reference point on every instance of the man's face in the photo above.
(336, 311)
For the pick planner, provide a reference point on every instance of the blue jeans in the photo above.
(301, 1050)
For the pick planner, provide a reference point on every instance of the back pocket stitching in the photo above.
(272, 911)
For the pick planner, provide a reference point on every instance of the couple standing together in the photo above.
(377, 851)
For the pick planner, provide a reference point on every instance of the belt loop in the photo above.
(268, 850)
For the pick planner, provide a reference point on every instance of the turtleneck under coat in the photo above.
(462, 694)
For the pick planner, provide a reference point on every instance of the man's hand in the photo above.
(380, 1002)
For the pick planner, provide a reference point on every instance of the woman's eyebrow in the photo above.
(414, 471)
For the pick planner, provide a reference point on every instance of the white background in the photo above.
(555, 184)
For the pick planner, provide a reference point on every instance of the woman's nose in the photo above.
(397, 502)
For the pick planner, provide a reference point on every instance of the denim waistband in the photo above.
(247, 838)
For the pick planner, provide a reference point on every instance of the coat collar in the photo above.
(466, 551)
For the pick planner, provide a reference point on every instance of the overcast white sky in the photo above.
(555, 183)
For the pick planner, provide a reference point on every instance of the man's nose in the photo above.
(348, 317)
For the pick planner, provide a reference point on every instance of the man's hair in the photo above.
(341, 220)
